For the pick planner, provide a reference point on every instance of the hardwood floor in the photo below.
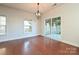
(38, 45)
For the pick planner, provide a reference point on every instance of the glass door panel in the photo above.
(53, 28)
(48, 27)
(56, 28)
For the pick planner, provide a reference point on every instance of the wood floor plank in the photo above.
(38, 45)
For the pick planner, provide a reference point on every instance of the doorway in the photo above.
(53, 28)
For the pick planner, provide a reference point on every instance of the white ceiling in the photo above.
(31, 7)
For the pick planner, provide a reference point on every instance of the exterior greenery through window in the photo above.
(28, 26)
(56, 22)
(2, 25)
(53, 27)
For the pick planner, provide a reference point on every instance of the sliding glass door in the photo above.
(48, 27)
(56, 28)
(53, 28)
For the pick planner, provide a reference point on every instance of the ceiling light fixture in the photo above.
(38, 12)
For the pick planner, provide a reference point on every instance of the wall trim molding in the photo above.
(64, 41)
(70, 43)
(18, 38)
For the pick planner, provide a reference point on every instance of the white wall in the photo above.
(69, 22)
(15, 19)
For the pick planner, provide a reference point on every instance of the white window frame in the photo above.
(4, 25)
(24, 26)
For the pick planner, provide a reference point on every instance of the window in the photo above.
(2, 25)
(28, 26)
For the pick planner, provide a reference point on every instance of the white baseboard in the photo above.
(64, 41)
(77, 45)
(41, 35)
(17, 38)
